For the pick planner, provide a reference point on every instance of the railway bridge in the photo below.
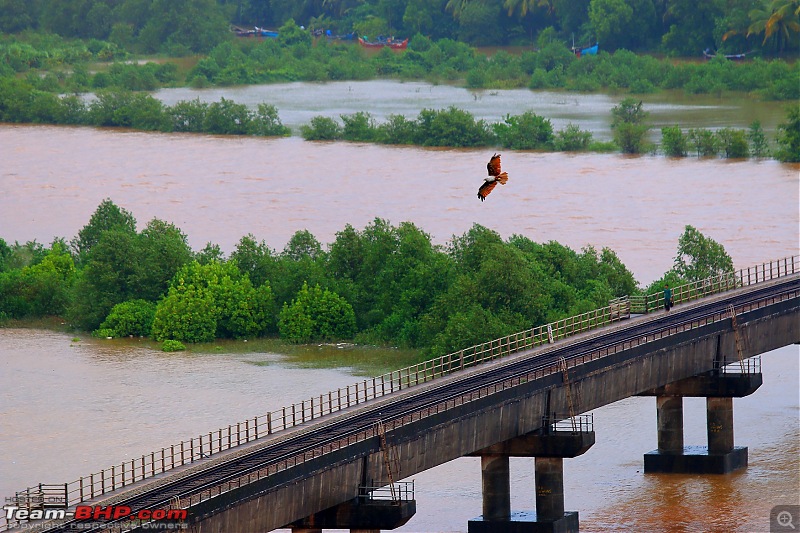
(334, 461)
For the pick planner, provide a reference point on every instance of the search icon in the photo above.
(785, 519)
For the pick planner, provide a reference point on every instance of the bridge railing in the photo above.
(563, 422)
(213, 442)
(647, 303)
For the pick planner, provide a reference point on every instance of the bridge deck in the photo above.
(336, 429)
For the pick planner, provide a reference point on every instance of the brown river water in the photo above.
(69, 408)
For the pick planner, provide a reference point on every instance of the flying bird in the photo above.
(495, 176)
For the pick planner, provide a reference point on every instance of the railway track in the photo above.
(366, 417)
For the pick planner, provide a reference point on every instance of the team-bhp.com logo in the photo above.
(95, 512)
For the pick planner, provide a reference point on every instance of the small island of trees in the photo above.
(383, 284)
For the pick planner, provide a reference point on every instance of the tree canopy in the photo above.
(677, 27)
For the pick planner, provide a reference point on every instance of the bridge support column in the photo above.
(720, 456)
(549, 447)
(496, 487)
(549, 479)
(719, 413)
(669, 414)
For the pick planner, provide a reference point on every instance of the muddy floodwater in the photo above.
(70, 406)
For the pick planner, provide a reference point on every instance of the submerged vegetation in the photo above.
(451, 127)
(384, 284)
(52, 64)
(42, 76)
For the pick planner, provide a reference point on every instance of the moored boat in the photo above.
(733, 57)
(586, 50)
(382, 42)
(266, 33)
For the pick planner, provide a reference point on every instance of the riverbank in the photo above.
(359, 360)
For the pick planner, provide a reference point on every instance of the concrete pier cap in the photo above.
(720, 456)
(548, 448)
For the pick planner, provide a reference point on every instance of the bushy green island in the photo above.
(383, 284)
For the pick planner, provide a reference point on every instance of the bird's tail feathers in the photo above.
(502, 178)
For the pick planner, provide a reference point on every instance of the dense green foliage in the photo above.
(698, 257)
(214, 300)
(789, 136)
(134, 317)
(629, 126)
(35, 282)
(20, 102)
(53, 65)
(125, 265)
(383, 284)
(445, 127)
(677, 27)
(172, 346)
(316, 314)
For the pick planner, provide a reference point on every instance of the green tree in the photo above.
(610, 20)
(700, 257)
(16, 15)
(213, 300)
(321, 129)
(108, 216)
(106, 279)
(629, 126)
(451, 127)
(256, 260)
(691, 25)
(162, 248)
(733, 143)
(525, 132)
(572, 139)
(134, 317)
(789, 137)
(316, 314)
(302, 244)
(38, 289)
(704, 142)
(758, 141)
(675, 143)
(5, 254)
(778, 20)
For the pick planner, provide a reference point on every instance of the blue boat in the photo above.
(585, 50)
(266, 33)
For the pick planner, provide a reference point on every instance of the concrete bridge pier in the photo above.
(496, 478)
(549, 479)
(548, 447)
(720, 456)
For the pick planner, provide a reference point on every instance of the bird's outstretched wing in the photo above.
(493, 166)
(486, 188)
(495, 175)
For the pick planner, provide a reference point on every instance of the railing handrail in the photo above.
(207, 444)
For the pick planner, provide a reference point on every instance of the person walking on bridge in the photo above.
(667, 297)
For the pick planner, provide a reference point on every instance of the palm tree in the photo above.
(338, 8)
(523, 6)
(780, 18)
(457, 6)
